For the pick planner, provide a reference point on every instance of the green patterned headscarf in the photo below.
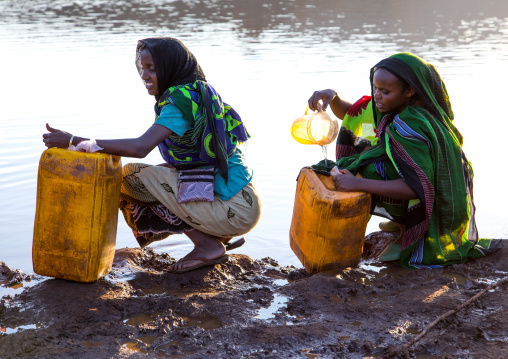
(425, 148)
(421, 145)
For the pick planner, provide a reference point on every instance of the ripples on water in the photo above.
(71, 63)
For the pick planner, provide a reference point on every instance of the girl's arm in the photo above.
(396, 189)
(128, 147)
(329, 97)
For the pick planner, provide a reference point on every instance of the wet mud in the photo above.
(250, 308)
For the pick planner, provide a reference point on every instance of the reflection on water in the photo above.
(432, 23)
(9, 330)
(70, 63)
(279, 302)
(13, 289)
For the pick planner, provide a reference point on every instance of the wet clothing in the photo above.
(421, 145)
(206, 134)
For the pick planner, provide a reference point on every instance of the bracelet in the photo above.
(70, 142)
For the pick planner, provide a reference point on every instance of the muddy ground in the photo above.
(257, 309)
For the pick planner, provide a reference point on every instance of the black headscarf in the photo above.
(174, 63)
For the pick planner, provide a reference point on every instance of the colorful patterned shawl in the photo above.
(215, 132)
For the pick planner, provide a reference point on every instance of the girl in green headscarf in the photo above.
(403, 142)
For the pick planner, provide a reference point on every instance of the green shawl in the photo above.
(422, 145)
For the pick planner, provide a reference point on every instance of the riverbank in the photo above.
(249, 308)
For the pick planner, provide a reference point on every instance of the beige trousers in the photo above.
(151, 185)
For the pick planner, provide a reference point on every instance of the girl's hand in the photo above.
(326, 96)
(345, 181)
(56, 138)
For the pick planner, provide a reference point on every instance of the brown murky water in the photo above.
(71, 63)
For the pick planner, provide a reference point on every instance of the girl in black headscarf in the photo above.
(204, 189)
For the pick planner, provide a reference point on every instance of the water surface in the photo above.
(71, 63)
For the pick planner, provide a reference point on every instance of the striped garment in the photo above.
(421, 145)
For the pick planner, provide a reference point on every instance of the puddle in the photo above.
(278, 279)
(159, 350)
(148, 339)
(153, 290)
(175, 342)
(359, 277)
(8, 330)
(413, 330)
(371, 267)
(134, 346)
(459, 278)
(366, 273)
(279, 301)
(202, 322)
(157, 290)
(280, 282)
(142, 318)
(17, 288)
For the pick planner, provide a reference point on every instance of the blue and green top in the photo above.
(196, 135)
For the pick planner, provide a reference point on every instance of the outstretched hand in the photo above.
(326, 96)
(56, 138)
(345, 181)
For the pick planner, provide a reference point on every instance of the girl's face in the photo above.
(389, 92)
(148, 74)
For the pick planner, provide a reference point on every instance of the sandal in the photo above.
(236, 244)
(389, 226)
(204, 262)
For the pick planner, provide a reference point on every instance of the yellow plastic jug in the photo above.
(76, 214)
(315, 128)
(328, 227)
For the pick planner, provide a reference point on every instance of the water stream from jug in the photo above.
(324, 148)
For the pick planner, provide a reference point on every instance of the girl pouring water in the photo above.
(403, 142)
